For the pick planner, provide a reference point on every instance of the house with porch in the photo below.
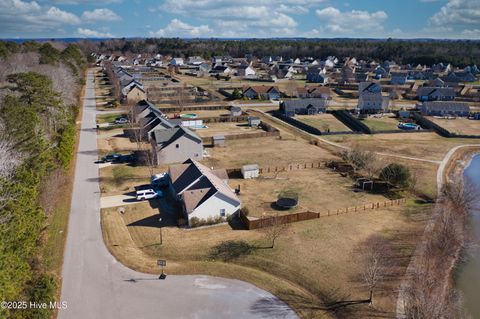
(203, 192)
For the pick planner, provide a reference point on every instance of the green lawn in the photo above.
(109, 118)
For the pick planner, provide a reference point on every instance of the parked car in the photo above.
(117, 158)
(121, 120)
(145, 194)
(110, 158)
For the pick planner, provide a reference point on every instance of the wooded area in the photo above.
(38, 107)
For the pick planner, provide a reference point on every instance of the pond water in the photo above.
(468, 280)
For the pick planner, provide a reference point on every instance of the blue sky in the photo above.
(246, 18)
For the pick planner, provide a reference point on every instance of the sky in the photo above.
(240, 19)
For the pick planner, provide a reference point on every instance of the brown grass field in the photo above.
(459, 125)
(265, 151)
(318, 190)
(227, 128)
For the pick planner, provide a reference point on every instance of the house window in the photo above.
(177, 145)
(222, 212)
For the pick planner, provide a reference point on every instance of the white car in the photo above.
(121, 120)
(146, 194)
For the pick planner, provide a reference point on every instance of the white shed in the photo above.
(250, 171)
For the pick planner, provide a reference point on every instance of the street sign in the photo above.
(161, 262)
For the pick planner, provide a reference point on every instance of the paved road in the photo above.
(95, 285)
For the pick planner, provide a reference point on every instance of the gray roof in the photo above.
(301, 103)
(163, 138)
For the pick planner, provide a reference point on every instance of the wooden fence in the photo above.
(251, 223)
(291, 167)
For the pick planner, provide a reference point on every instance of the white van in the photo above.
(145, 194)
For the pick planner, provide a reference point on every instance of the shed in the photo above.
(254, 121)
(235, 111)
(218, 141)
(250, 171)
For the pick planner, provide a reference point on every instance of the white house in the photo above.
(203, 192)
(176, 61)
(370, 98)
(245, 70)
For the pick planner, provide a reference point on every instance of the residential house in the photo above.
(204, 67)
(246, 70)
(427, 93)
(217, 60)
(262, 92)
(175, 145)
(370, 98)
(126, 88)
(461, 76)
(195, 60)
(399, 77)
(176, 61)
(204, 193)
(317, 75)
(303, 107)
(442, 108)
(221, 70)
(135, 95)
(380, 73)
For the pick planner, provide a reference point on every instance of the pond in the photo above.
(468, 280)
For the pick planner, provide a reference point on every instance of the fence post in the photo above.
(355, 208)
(346, 210)
(364, 207)
(373, 205)
(328, 212)
(384, 204)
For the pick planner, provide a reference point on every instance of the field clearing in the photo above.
(381, 124)
(318, 190)
(323, 122)
(459, 125)
(227, 128)
(313, 263)
(421, 145)
(265, 151)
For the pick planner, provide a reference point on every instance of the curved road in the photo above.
(95, 285)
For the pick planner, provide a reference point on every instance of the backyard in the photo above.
(459, 125)
(384, 123)
(312, 267)
(323, 122)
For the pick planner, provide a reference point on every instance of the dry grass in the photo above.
(265, 151)
(323, 122)
(228, 128)
(311, 265)
(422, 145)
(458, 125)
(318, 190)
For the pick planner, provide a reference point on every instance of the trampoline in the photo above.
(286, 203)
(188, 116)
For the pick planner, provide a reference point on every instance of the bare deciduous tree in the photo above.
(374, 254)
(274, 229)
